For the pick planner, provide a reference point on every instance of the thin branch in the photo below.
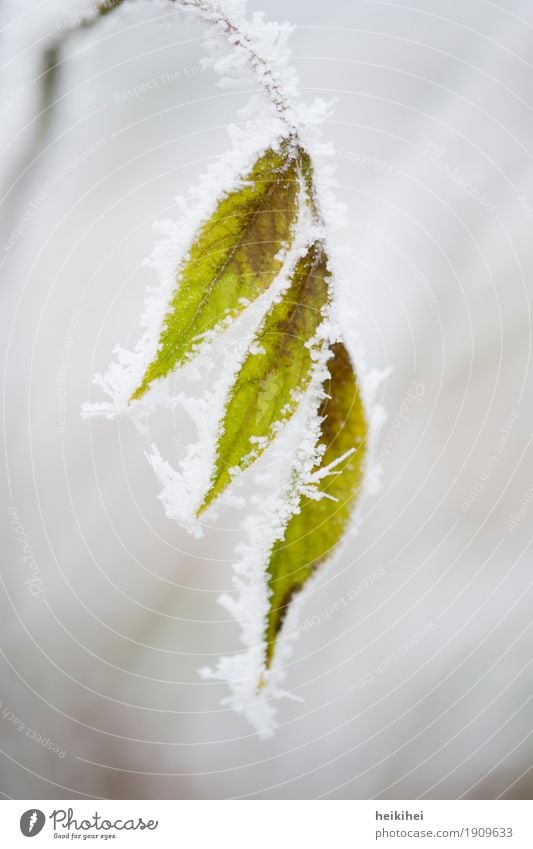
(242, 39)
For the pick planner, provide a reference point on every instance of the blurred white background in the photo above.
(421, 684)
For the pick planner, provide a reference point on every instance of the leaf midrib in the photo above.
(283, 343)
(233, 251)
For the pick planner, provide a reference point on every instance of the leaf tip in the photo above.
(209, 497)
(138, 393)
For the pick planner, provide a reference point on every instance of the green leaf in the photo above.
(265, 392)
(233, 259)
(313, 532)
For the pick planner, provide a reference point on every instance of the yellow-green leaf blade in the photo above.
(233, 259)
(265, 391)
(313, 533)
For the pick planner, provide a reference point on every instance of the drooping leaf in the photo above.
(234, 257)
(313, 532)
(265, 392)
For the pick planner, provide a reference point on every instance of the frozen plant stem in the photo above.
(208, 12)
(211, 13)
(240, 39)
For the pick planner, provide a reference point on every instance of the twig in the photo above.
(242, 39)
